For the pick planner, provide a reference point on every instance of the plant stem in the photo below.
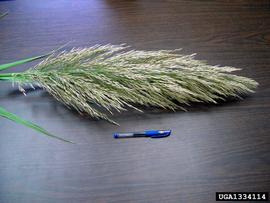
(21, 77)
(7, 76)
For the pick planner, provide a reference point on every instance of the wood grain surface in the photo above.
(212, 148)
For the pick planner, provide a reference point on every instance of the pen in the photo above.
(147, 133)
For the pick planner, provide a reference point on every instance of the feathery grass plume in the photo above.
(112, 77)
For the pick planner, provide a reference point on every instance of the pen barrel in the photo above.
(148, 133)
(128, 135)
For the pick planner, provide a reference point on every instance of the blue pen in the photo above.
(148, 133)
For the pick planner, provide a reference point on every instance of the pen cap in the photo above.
(158, 133)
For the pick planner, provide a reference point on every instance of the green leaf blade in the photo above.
(3, 15)
(10, 116)
(20, 62)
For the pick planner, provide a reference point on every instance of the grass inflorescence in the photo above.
(114, 78)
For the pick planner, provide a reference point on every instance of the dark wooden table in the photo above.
(213, 148)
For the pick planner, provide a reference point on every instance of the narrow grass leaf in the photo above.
(13, 117)
(3, 15)
(27, 60)
(20, 62)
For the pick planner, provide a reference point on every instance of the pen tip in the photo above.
(115, 135)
